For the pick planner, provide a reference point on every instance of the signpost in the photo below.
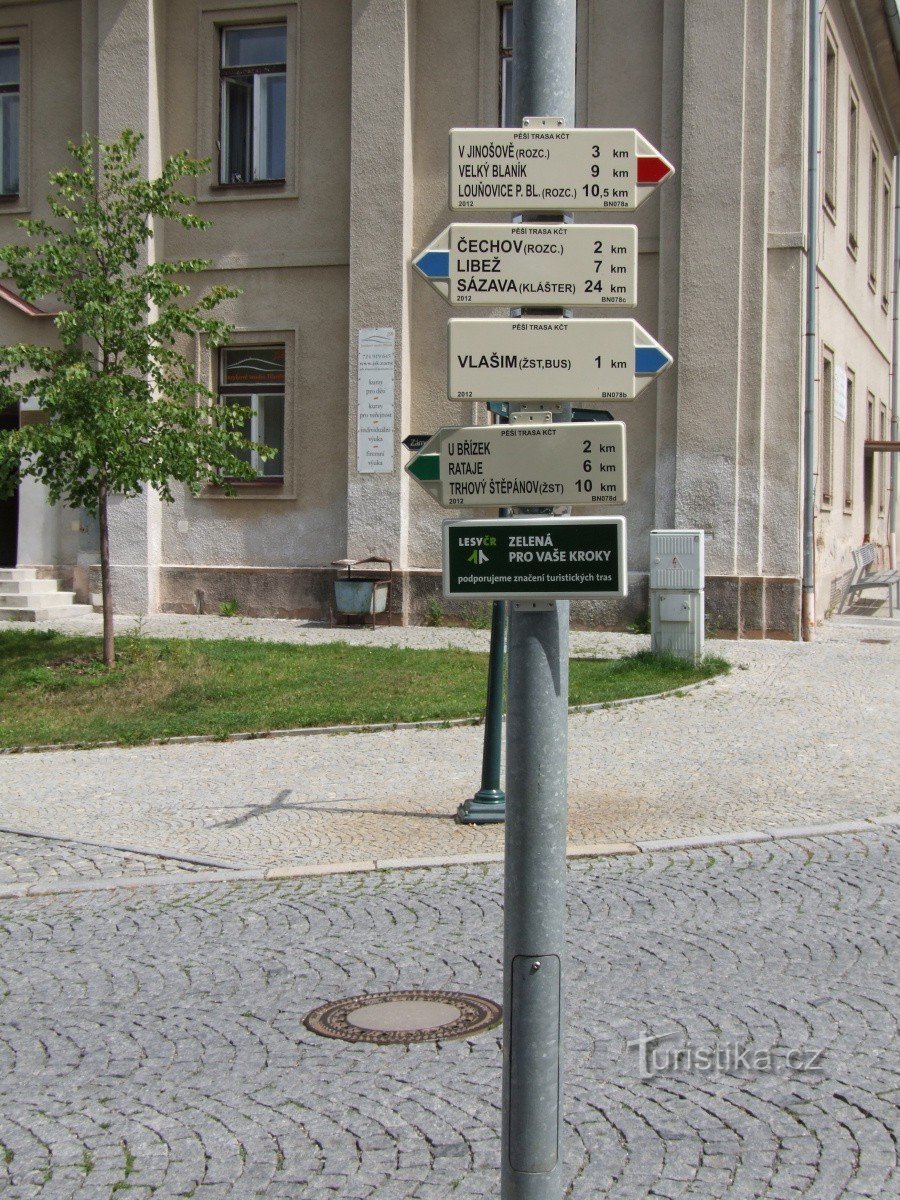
(415, 441)
(524, 465)
(535, 558)
(588, 265)
(551, 358)
(538, 563)
(550, 170)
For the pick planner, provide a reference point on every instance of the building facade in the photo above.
(326, 125)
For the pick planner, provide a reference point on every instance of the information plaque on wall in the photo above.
(375, 402)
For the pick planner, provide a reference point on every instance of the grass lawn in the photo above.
(54, 687)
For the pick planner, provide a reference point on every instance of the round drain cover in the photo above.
(392, 1017)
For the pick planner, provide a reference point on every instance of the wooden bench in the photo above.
(863, 578)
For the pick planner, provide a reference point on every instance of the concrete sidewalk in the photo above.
(797, 734)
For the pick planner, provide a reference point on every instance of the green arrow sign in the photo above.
(425, 467)
(531, 464)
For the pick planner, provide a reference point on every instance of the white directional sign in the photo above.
(553, 170)
(524, 465)
(534, 265)
(550, 358)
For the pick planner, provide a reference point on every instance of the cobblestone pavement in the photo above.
(796, 734)
(27, 860)
(151, 1043)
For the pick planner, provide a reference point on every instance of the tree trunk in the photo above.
(109, 646)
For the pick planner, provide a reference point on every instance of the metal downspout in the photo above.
(895, 364)
(808, 611)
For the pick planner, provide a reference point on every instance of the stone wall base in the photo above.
(737, 606)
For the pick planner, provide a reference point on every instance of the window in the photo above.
(9, 119)
(885, 243)
(253, 75)
(849, 423)
(829, 156)
(873, 217)
(868, 480)
(852, 175)
(883, 460)
(827, 427)
(253, 376)
(506, 98)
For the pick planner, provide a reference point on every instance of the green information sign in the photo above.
(535, 558)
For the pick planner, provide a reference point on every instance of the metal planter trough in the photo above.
(360, 591)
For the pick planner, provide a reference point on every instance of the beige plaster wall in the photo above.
(719, 88)
(304, 522)
(854, 322)
(287, 250)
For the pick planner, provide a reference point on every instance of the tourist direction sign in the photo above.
(551, 359)
(524, 464)
(535, 558)
(553, 170)
(415, 441)
(534, 265)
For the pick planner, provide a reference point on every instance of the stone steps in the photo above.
(31, 587)
(12, 574)
(25, 597)
(45, 614)
(35, 599)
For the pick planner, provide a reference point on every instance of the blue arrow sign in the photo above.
(650, 360)
(434, 264)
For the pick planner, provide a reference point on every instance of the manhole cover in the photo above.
(391, 1017)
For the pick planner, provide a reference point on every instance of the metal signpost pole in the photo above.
(488, 805)
(536, 772)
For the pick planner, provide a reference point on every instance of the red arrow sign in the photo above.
(652, 170)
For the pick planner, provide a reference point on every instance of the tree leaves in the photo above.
(119, 401)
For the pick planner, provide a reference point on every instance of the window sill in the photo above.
(250, 185)
(230, 193)
(830, 210)
(274, 488)
(853, 250)
(269, 481)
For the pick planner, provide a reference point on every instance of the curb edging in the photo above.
(287, 872)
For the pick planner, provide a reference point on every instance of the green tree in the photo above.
(121, 408)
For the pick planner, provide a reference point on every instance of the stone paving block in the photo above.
(784, 944)
(742, 754)
(601, 849)
(823, 830)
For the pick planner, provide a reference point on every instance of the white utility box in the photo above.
(677, 609)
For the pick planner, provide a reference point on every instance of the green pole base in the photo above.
(486, 807)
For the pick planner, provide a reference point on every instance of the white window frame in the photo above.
(19, 202)
(504, 53)
(257, 139)
(883, 459)
(826, 429)
(849, 449)
(212, 21)
(874, 213)
(829, 123)
(886, 213)
(208, 375)
(252, 399)
(853, 174)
